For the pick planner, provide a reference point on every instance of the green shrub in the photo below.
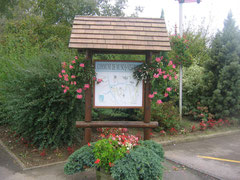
(34, 105)
(155, 147)
(166, 114)
(192, 87)
(140, 163)
(80, 160)
(108, 151)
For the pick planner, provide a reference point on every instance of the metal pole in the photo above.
(180, 68)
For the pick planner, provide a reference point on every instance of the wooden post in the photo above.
(147, 101)
(88, 102)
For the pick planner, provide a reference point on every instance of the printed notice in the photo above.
(118, 87)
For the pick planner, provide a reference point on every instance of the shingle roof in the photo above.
(119, 33)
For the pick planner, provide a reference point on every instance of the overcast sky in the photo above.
(213, 11)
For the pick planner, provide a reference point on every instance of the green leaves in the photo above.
(108, 151)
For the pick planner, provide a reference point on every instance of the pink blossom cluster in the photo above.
(166, 76)
(69, 79)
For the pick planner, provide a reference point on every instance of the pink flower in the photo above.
(67, 87)
(73, 76)
(156, 75)
(86, 86)
(155, 92)
(79, 96)
(81, 65)
(170, 78)
(63, 71)
(175, 77)
(99, 80)
(165, 76)
(65, 75)
(59, 75)
(74, 82)
(151, 96)
(70, 66)
(73, 61)
(174, 66)
(76, 57)
(161, 58)
(79, 90)
(64, 64)
(169, 89)
(163, 72)
(66, 79)
(170, 63)
(94, 78)
(159, 101)
(65, 90)
(158, 59)
(166, 95)
(62, 86)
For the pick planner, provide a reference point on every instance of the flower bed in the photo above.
(120, 154)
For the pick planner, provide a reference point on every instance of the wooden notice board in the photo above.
(118, 88)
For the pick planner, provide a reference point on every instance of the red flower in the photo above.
(43, 153)
(193, 128)
(111, 164)
(89, 144)
(97, 161)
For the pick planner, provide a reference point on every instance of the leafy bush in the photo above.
(192, 87)
(80, 160)
(166, 114)
(157, 148)
(108, 151)
(141, 163)
(34, 105)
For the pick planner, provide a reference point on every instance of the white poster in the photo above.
(118, 88)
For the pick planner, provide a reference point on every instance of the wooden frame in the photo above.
(120, 107)
(88, 124)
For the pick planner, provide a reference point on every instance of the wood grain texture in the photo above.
(119, 124)
(119, 33)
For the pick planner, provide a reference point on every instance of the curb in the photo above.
(21, 164)
(194, 138)
(45, 165)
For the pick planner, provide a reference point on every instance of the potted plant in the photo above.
(119, 156)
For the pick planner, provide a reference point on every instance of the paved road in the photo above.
(223, 148)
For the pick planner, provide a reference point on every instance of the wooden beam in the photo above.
(88, 102)
(119, 124)
(147, 101)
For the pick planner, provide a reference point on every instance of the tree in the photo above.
(222, 71)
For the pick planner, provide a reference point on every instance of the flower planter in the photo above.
(102, 175)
